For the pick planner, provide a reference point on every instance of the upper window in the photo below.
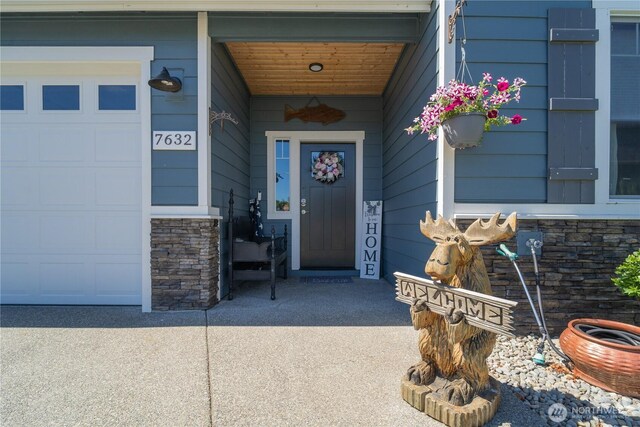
(282, 178)
(625, 110)
(11, 97)
(116, 97)
(61, 97)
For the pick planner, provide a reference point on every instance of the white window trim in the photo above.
(604, 207)
(295, 139)
(139, 55)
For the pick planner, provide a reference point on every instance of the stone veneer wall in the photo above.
(578, 260)
(185, 261)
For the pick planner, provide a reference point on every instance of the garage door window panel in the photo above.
(11, 97)
(61, 97)
(117, 97)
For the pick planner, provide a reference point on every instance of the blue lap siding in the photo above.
(508, 39)
(409, 163)
(229, 146)
(174, 38)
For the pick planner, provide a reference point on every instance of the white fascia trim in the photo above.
(295, 138)
(549, 211)
(447, 71)
(142, 56)
(204, 102)
(77, 54)
(184, 212)
(406, 6)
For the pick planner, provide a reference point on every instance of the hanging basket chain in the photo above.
(463, 69)
(453, 17)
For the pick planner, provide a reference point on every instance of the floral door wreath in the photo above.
(327, 167)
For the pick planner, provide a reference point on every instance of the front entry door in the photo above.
(327, 205)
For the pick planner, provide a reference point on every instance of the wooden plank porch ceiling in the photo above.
(278, 68)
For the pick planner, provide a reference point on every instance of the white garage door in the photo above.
(71, 184)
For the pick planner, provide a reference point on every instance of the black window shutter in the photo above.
(572, 106)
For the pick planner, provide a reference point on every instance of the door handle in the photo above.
(303, 211)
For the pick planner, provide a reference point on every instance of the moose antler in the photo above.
(484, 233)
(437, 230)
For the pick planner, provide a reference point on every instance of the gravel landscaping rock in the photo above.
(540, 387)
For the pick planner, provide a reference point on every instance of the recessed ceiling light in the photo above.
(316, 67)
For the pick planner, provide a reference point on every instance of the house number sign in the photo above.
(174, 140)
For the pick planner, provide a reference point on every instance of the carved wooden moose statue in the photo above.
(450, 347)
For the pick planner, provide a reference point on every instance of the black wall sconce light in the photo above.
(165, 82)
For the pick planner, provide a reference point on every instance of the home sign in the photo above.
(370, 244)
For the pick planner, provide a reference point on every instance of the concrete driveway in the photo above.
(320, 355)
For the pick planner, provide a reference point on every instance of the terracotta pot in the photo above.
(464, 130)
(611, 366)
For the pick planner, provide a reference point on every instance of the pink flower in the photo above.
(502, 86)
(457, 102)
(487, 77)
(516, 119)
(492, 114)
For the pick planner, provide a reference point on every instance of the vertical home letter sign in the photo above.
(370, 245)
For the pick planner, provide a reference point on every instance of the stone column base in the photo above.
(477, 413)
(185, 260)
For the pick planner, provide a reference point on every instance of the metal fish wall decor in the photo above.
(319, 113)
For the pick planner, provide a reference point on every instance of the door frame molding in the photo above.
(295, 138)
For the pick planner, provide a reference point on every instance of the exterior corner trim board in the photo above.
(446, 155)
(204, 102)
(406, 6)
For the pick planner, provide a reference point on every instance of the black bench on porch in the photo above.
(254, 258)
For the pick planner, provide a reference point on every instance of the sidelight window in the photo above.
(282, 176)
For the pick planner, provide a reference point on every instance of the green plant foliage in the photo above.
(628, 273)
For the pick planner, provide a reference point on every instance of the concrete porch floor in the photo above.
(319, 355)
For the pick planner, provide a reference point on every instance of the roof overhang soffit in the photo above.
(359, 6)
(334, 27)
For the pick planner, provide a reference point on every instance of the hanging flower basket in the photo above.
(476, 107)
(464, 130)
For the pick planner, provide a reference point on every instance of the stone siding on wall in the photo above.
(185, 261)
(578, 260)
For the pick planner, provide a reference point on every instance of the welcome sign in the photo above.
(370, 245)
(481, 310)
